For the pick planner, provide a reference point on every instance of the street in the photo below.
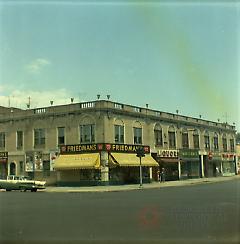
(203, 213)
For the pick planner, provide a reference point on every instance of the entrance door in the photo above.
(12, 169)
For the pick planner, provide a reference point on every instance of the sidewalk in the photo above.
(137, 187)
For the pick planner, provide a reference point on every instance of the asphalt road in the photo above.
(206, 213)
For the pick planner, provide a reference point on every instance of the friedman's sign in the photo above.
(109, 147)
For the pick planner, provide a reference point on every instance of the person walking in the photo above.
(162, 175)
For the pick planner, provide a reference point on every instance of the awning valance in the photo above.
(77, 161)
(130, 159)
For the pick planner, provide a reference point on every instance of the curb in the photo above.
(135, 187)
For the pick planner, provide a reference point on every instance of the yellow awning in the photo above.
(130, 159)
(78, 161)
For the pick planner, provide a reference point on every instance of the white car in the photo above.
(22, 183)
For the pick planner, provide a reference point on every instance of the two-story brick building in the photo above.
(95, 143)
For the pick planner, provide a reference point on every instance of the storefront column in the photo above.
(150, 173)
(236, 164)
(202, 166)
(179, 170)
(104, 168)
(221, 167)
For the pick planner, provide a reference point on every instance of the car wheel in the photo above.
(8, 189)
(33, 190)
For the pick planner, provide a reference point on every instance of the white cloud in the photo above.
(20, 99)
(37, 65)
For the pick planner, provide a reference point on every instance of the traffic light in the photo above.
(140, 152)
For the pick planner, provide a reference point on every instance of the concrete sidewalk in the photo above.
(137, 186)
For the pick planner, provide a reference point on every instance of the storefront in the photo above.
(213, 165)
(3, 165)
(228, 164)
(190, 163)
(168, 159)
(124, 168)
(98, 164)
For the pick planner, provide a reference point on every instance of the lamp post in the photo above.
(140, 154)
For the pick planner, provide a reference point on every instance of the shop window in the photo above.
(215, 142)
(87, 133)
(46, 168)
(2, 140)
(185, 143)
(158, 136)
(207, 141)
(39, 137)
(224, 143)
(137, 132)
(232, 145)
(172, 139)
(61, 135)
(21, 167)
(12, 169)
(119, 133)
(196, 141)
(19, 139)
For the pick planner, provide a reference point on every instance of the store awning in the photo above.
(130, 159)
(77, 161)
(169, 160)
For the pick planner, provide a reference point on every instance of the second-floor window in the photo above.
(207, 142)
(137, 133)
(215, 142)
(232, 145)
(158, 137)
(87, 133)
(2, 139)
(185, 143)
(172, 139)
(39, 137)
(119, 133)
(224, 143)
(19, 139)
(61, 135)
(196, 141)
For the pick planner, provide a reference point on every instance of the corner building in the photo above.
(95, 143)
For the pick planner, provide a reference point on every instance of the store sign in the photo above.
(188, 153)
(228, 156)
(168, 153)
(110, 147)
(3, 157)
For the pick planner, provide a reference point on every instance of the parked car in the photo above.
(22, 183)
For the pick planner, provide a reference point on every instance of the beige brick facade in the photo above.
(104, 115)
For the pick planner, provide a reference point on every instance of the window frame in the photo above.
(88, 137)
(137, 135)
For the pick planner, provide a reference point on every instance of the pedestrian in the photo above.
(162, 175)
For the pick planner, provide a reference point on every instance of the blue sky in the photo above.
(170, 54)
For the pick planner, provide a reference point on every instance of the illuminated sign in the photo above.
(3, 157)
(168, 153)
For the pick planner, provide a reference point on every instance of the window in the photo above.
(2, 139)
(119, 133)
(185, 143)
(215, 142)
(195, 140)
(39, 137)
(87, 133)
(224, 143)
(172, 139)
(232, 145)
(137, 135)
(158, 136)
(207, 142)
(19, 139)
(61, 135)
